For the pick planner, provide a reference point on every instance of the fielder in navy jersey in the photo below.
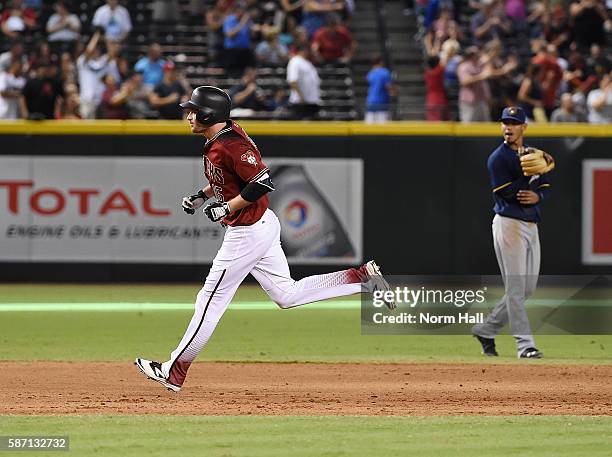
(519, 180)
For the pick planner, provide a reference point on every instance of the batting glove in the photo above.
(193, 202)
(217, 210)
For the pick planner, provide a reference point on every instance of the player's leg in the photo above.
(272, 272)
(533, 262)
(241, 249)
(515, 241)
(211, 302)
(498, 317)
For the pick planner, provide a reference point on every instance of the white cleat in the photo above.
(380, 283)
(153, 370)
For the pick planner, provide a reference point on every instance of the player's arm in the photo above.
(503, 183)
(195, 201)
(541, 186)
(253, 191)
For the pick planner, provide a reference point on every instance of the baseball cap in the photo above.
(513, 113)
(169, 66)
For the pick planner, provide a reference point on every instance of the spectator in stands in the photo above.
(380, 89)
(271, 52)
(42, 56)
(599, 102)
(167, 95)
(489, 24)
(299, 38)
(114, 19)
(68, 69)
(550, 75)
(314, 12)
(137, 96)
(474, 88)
(280, 99)
(16, 20)
(589, 17)
(15, 52)
(248, 95)
(69, 108)
(567, 112)
(214, 32)
(119, 65)
(333, 42)
(598, 63)
(502, 84)
(92, 65)
(12, 101)
(44, 92)
(436, 103)
(441, 30)
(237, 29)
(305, 84)
(63, 27)
(577, 74)
(151, 66)
(556, 28)
(113, 103)
(531, 94)
(450, 58)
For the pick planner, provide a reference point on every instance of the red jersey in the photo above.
(332, 43)
(231, 161)
(549, 67)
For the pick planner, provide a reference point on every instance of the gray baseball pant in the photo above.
(517, 247)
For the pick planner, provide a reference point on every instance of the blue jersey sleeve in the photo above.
(503, 181)
(541, 186)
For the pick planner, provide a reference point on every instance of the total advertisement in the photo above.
(127, 209)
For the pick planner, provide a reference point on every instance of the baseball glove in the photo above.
(536, 162)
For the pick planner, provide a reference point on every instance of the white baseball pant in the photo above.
(254, 249)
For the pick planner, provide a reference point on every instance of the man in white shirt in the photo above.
(599, 102)
(12, 101)
(92, 66)
(63, 26)
(303, 78)
(114, 19)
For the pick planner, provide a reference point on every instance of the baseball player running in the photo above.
(238, 184)
(520, 183)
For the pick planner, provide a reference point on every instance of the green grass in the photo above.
(302, 334)
(131, 436)
(122, 293)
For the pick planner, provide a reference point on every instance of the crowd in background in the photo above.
(547, 56)
(78, 70)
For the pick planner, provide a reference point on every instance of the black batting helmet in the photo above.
(211, 103)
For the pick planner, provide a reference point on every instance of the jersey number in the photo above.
(218, 191)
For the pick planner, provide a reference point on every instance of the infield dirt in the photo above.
(57, 388)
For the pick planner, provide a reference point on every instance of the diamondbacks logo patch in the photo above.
(249, 157)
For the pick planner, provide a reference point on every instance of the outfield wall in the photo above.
(425, 205)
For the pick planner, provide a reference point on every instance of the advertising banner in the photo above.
(126, 209)
(597, 212)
